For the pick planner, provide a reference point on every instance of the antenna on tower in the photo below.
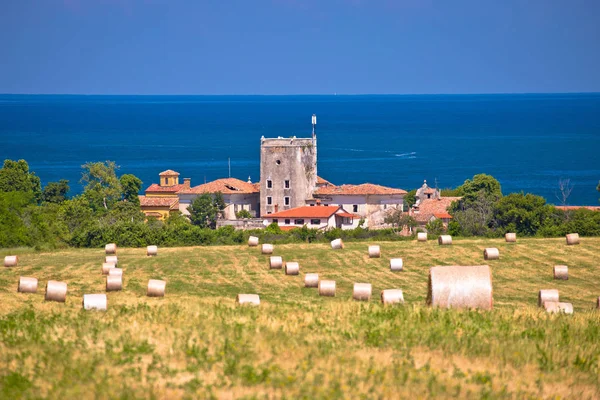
(314, 124)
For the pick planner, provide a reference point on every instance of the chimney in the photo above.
(187, 182)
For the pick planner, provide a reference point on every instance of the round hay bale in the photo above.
(311, 280)
(115, 271)
(572, 238)
(554, 307)
(11, 261)
(292, 268)
(267, 248)
(27, 285)
(392, 296)
(422, 236)
(252, 241)
(114, 283)
(460, 287)
(510, 237)
(152, 251)
(250, 299)
(445, 240)
(362, 291)
(156, 288)
(94, 302)
(374, 251)
(337, 244)
(275, 262)
(56, 291)
(561, 272)
(110, 248)
(106, 267)
(327, 288)
(396, 264)
(111, 259)
(547, 295)
(491, 253)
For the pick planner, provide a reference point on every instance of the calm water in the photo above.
(528, 142)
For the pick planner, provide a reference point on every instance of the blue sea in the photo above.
(527, 141)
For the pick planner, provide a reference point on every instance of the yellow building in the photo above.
(160, 200)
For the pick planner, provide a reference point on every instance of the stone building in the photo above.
(161, 200)
(319, 217)
(431, 205)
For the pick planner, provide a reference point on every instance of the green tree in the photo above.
(521, 213)
(410, 198)
(399, 220)
(435, 227)
(481, 183)
(13, 231)
(56, 192)
(206, 209)
(15, 177)
(131, 186)
(102, 187)
(243, 214)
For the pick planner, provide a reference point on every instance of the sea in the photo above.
(527, 141)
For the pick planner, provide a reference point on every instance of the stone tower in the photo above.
(288, 172)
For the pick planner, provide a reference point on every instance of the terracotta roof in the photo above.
(348, 215)
(306, 212)
(429, 191)
(225, 186)
(443, 215)
(169, 172)
(155, 187)
(171, 202)
(364, 189)
(430, 207)
(568, 208)
(324, 182)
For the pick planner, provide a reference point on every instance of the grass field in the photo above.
(195, 342)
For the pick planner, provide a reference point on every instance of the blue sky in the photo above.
(299, 46)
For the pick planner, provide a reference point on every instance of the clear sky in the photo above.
(299, 46)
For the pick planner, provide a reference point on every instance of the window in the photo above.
(269, 200)
(315, 222)
(312, 205)
(286, 201)
(286, 184)
(235, 208)
(269, 184)
(268, 212)
(287, 222)
(298, 222)
(326, 205)
(346, 221)
(278, 162)
(276, 220)
(355, 208)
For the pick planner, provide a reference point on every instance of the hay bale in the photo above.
(460, 287)
(547, 295)
(561, 272)
(311, 280)
(111, 259)
(572, 238)
(491, 253)
(554, 307)
(362, 291)
(94, 302)
(267, 248)
(510, 237)
(252, 241)
(250, 299)
(275, 262)
(115, 271)
(110, 248)
(392, 296)
(374, 251)
(292, 268)
(327, 288)
(114, 283)
(11, 261)
(337, 244)
(152, 251)
(445, 240)
(56, 291)
(422, 236)
(396, 264)
(156, 288)
(27, 285)
(106, 267)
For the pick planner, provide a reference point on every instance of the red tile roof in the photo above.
(430, 207)
(169, 172)
(569, 208)
(171, 202)
(306, 212)
(323, 182)
(443, 215)
(364, 189)
(348, 215)
(225, 186)
(156, 188)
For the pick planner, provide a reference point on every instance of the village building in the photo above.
(161, 200)
(431, 205)
(315, 217)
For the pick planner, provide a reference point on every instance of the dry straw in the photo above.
(11, 261)
(56, 291)
(374, 251)
(573, 238)
(422, 236)
(115, 271)
(327, 288)
(561, 272)
(491, 253)
(547, 295)
(250, 299)
(114, 283)
(510, 237)
(554, 307)
(156, 288)
(27, 285)
(94, 302)
(152, 251)
(311, 280)
(445, 240)
(392, 296)
(252, 241)
(267, 248)
(111, 259)
(292, 268)
(337, 244)
(110, 248)
(396, 264)
(362, 291)
(275, 262)
(460, 287)
(106, 267)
